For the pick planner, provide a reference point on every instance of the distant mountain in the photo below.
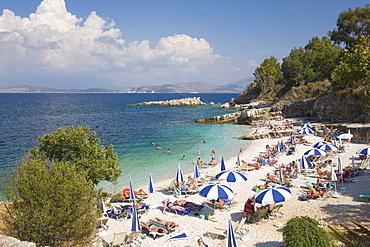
(185, 87)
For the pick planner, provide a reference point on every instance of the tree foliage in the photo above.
(315, 62)
(51, 204)
(305, 232)
(351, 24)
(81, 147)
(269, 71)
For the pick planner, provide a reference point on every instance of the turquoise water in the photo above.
(131, 129)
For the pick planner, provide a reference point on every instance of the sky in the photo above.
(119, 44)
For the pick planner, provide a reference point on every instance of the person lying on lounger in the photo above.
(126, 193)
(152, 228)
(168, 224)
(168, 204)
(188, 204)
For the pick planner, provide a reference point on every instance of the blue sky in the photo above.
(120, 44)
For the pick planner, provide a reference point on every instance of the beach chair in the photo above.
(260, 215)
(218, 232)
(123, 215)
(151, 222)
(102, 224)
(117, 239)
(276, 211)
(365, 196)
(169, 187)
(132, 238)
(177, 211)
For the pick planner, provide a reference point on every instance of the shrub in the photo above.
(305, 232)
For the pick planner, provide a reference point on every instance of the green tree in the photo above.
(51, 204)
(269, 71)
(305, 232)
(351, 24)
(81, 147)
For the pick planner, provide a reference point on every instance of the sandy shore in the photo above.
(266, 233)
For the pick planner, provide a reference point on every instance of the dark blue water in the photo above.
(131, 129)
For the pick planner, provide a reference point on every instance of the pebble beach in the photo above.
(345, 206)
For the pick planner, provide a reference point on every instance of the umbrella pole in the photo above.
(342, 188)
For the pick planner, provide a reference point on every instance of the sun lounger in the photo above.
(120, 216)
(116, 239)
(365, 196)
(177, 211)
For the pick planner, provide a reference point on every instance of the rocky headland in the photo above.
(173, 102)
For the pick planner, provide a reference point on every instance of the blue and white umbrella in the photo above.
(179, 176)
(278, 147)
(135, 224)
(181, 236)
(315, 151)
(305, 163)
(231, 176)
(132, 192)
(238, 160)
(318, 144)
(305, 131)
(216, 191)
(328, 147)
(274, 194)
(230, 237)
(280, 174)
(196, 170)
(223, 167)
(340, 172)
(364, 151)
(282, 146)
(151, 184)
(306, 125)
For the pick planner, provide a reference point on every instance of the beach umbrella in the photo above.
(135, 224)
(280, 174)
(230, 237)
(315, 151)
(347, 136)
(328, 147)
(333, 178)
(299, 165)
(151, 184)
(181, 236)
(223, 167)
(318, 144)
(340, 171)
(179, 176)
(231, 176)
(353, 165)
(216, 191)
(278, 147)
(238, 160)
(305, 131)
(132, 192)
(306, 125)
(274, 194)
(305, 162)
(364, 151)
(282, 146)
(196, 170)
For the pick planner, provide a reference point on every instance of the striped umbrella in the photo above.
(135, 224)
(306, 125)
(305, 131)
(282, 146)
(230, 237)
(196, 170)
(132, 192)
(315, 151)
(328, 147)
(231, 176)
(151, 184)
(278, 147)
(305, 163)
(274, 194)
(181, 236)
(364, 151)
(223, 167)
(318, 144)
(216, 191)
(179, 176)
(238, 160)
(340, 171)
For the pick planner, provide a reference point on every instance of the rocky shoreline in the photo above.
(173, 102)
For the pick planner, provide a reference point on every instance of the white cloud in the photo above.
(52, 40)
(252, 63)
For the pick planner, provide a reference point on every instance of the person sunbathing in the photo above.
(272, 177)
(186, 187)
(126, 193)
(138, 206)
(168, 204)
(188, 204)
(167, 224)
(218, 203)
(153, 228)
(321, 172)
(118, 210)
(314, 191)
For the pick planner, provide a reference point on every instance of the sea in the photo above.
(131, 129)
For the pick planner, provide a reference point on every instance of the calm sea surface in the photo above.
(131, 129)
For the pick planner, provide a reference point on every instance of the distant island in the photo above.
(186, 87)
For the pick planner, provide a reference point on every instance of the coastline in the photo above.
(332, 211)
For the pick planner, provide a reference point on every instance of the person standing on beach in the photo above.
(213, 159)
